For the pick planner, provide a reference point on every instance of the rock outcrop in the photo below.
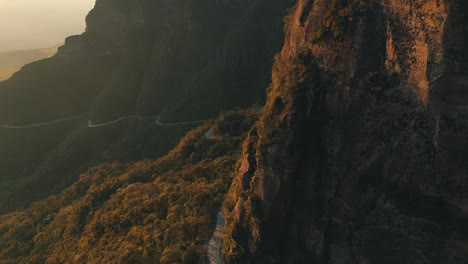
(360, 154)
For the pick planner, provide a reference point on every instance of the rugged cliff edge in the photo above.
(360, 152)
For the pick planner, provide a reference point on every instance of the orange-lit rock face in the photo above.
(307, 19)
(410, 32)
(414, 46)
(365, 161)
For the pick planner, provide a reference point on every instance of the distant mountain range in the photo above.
(12, 61)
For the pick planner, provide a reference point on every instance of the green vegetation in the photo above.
(339, 16)
(159, 211)
(125, 142)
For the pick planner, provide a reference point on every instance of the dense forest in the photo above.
(150, 211)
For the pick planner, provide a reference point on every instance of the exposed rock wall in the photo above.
(414, 31)
(364, 157)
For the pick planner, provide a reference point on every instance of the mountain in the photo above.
(180, 60)
(12, 61)
(357, 154)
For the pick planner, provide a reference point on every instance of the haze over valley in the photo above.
(32, 30)
(26, 24)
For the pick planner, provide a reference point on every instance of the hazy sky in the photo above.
(28, 24)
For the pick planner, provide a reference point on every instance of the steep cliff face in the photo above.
(359, 156)
(181, 59)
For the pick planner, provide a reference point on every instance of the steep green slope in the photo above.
(150, 211)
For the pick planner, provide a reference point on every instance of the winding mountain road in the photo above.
(44, 124)
(213, 252)
(179, 123)
(91, 125)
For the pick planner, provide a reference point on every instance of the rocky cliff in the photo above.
(359, 155)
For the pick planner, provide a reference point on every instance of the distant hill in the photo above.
(12, 61)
